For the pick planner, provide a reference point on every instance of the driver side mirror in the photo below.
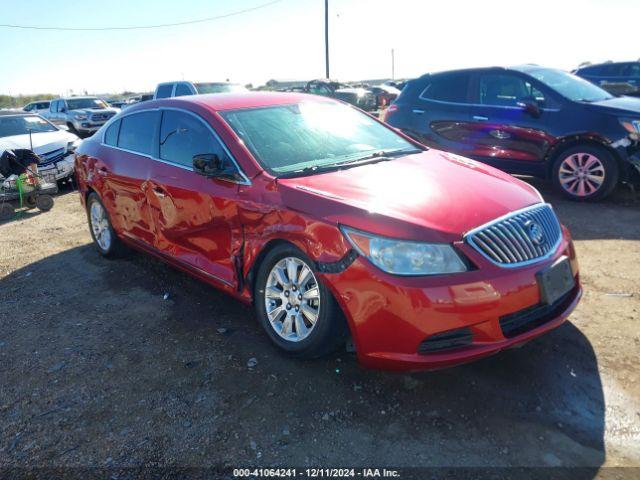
(211, 165)
(530, 106)
(63, 127)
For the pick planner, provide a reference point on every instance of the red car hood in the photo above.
(433, 195)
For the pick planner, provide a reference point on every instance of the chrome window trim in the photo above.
(482, 105)
(468, 237)
(245, 180)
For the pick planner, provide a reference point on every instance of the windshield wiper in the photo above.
(374, 157)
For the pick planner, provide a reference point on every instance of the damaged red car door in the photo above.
(195, 217)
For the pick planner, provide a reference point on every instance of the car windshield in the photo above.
(78, 103)
(309, 136)
(571, 86)
(20, 125)
(219, 87)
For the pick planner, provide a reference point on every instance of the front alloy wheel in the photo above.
(581, 174)
(294, 307)
(585, 172)
(292, 299)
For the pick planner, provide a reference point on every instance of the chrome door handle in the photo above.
(480, 118)
(419, 111)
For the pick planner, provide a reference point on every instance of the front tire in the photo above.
(104, 237)
(296, 310)
(585, 173)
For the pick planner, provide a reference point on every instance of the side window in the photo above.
(631, 70)
(504, 90)
(164, 91)
(610, 70)
(448, 87)
(54, 106)
(111, 135)
(137, 132)
(29, 107)
(182, 136)
(182, 89)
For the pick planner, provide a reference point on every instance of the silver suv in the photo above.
(82, 115)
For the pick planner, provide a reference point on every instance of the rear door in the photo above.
(504, 133)
(440, 116)
(125, 170)
(195, 217)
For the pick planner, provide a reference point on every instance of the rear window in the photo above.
(182, 90)
(164, 91)
(111, 135)
(137, 132)
(448, 87)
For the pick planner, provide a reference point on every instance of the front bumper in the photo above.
(390, 317)
(61, 169)
(629, 150)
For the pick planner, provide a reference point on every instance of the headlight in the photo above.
(80, 116)
(631, 126)
(401, 257)
(71, 146)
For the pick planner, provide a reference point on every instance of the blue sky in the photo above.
(285, 40)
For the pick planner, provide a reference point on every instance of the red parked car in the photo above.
(332, 224)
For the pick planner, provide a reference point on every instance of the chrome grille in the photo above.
(101, 117)
(519, 238)
(51, 157)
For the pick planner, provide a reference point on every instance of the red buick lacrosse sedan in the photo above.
(333, 225)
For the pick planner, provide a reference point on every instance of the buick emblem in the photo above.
(535, 232)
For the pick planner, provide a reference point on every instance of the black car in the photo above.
(527, 120)
(360, 97)
(618, 78)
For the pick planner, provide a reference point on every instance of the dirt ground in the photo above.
(99, 369)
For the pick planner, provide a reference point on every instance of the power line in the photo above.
(141, 27)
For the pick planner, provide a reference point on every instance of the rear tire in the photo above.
(300, 315)
(104, 237)
(585, 173)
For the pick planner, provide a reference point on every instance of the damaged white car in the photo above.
(53, 144)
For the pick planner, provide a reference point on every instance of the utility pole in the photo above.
(326, 38)
(393, 64)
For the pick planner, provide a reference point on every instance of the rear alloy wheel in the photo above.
(585, 173)
(296, 310)
(104, 237)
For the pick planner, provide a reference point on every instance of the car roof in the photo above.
(232, 101)
(13, 113)
(74, 97)
(524, 68)
(607, 63)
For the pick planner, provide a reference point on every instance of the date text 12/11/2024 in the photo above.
(315, 473)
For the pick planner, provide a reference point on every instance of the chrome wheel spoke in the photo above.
(310, 313)
(275, 313)
(273, 293)
(301, 328)
(311, 294)
(292, 271)
(281, 277)
(287, 326)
